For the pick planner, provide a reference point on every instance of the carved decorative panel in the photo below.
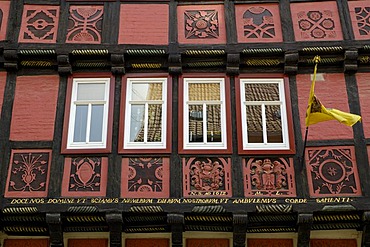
(316, 21)
(360, 16)
(258, 23)
(203, 24)
(85, 24)
(39, 24)
(332, 171)
(85, 176)
(26, 242)
(333, 243)
(269, 177)
(4, 13)
(91, 242)
(275, 242)
(207, 242)
(152, 242)
(207, 177)
(145, 177)
(28, 174)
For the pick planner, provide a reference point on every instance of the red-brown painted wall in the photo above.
(2, 87)
(144, 24)
(364, 92)
(34, 108)
(332, 94)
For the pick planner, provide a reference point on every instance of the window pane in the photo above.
(204, 91)
(155, 123)
(261, 92)
(90, 91)
(254, 124)
(80, 123)
(137, 123)
(273, 124)
(195, 123)
(213, 123)
(96, 127)
(146, 91)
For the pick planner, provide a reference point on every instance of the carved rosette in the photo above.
(318, 22)
(268, 176)
(201, 24)
(332, 172)
(360, 15)
(85, 176)
(28, 173)
(207, 177)
(39, 24)
(85, 24)
(145, 177)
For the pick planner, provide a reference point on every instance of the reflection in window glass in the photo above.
(264, 114)
(145, 110)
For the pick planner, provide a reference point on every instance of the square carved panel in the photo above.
(201, 24)
(145, 177)
(360, 17)
(39, 24)
(85, 176)
(207, 177)
(258, 23)
(269, 176)
(85, 24)
(276, 242)
(28, 174)
(332, 171)
(316, 21)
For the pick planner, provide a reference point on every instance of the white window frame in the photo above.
(284, 119)
(145, 145)
(204, 145)
(87, 144)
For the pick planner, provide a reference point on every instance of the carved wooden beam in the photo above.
(240, 222)
(176, 222)
(304, 229)
(55, 229)
(118, 64)
(291, 62)
(366, 229)
(11, 60)
(115, 222)
(174, 64)
(350, 61)
(233, 61)
(64, 65)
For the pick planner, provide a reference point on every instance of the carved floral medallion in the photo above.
(28, 173)
(85, 176)
(145, 177)
(201, 24)
(332, 171)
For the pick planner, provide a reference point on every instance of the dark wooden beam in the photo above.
(115, 221)
(55, 229)
(304, 229)
(176, 222)
(240, 222)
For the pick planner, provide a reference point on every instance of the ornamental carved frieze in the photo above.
(85, 24)
(85, 176)
(28, 173)
(39, 24)
(360, 16)
(145, 177)
(201, 24)
(257, 22)
(316, 22)
(269, 176)
(207, 177)
(332, 171)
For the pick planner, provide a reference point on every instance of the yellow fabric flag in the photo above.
(317, 113)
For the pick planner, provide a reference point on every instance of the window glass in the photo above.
(264, 114)
(145, 113)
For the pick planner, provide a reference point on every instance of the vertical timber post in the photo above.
(176, 221)
(304, 229)
(54, 222)
(240, 222)
(115, 221)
